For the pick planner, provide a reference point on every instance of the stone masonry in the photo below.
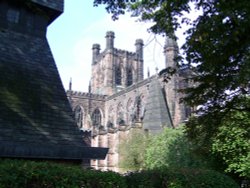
(120, 99)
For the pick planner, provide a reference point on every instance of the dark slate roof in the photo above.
(157, 114)
(35, 115)
(53, 8)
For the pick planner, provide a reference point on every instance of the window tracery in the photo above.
(129, 77)
(120, 115)
(79, 116)
(96, 118)
(118, 76)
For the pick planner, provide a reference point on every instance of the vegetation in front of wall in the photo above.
(179, 178)
(32, 174)
(169, 149)
(132, 150)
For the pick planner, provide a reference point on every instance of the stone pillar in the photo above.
(95, 52)
(170, 51)
(110, 35)
(139, 53)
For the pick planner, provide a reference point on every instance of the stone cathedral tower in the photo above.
(113, 69)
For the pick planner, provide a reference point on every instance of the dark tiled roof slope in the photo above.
(35, 115)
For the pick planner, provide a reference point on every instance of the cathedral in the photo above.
(120, 99)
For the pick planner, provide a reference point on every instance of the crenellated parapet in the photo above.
(133, 87)
(81, 94)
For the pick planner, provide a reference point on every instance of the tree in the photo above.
(132, 150)
(232, 142)
(172, 150)
(217, 50)
(226, 135)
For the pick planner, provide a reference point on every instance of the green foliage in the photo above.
(226, 137)
(20, 173)
(132, 150)
(171, 149)
(232, 142)
(179, 179)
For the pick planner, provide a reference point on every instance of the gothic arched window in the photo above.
(79, 116)
(139, 108)
(120, 115)
(130, 111)
(129, 77)
(96, 118)
(118, 76)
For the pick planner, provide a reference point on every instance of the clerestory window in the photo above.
(129, 77)
(96, 118)
(79, 115)
(118, 76)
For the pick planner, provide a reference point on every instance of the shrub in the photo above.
(21, 173)
(185, 178)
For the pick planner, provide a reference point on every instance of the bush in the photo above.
(184, 178)
(21, 173)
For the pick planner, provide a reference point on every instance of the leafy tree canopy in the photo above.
(232, 142)
(172, 150)
(132, 149)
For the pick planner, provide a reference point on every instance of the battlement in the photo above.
(85, 95)
(123, 52)
(132, 87)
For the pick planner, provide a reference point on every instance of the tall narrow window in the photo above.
(13, 15)
(96, 118)
(118, 76)
(79, 116)
(139, 109)
(129, 77)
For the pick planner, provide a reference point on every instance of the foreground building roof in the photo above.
(35, 115)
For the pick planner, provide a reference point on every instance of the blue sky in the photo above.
(72, 34)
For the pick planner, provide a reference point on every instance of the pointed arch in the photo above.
(79, 116)
(139, 108)
(130, 111)
(110, 122)
(129, 76)
(96, 118)
(118, 75)
(120, 115)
